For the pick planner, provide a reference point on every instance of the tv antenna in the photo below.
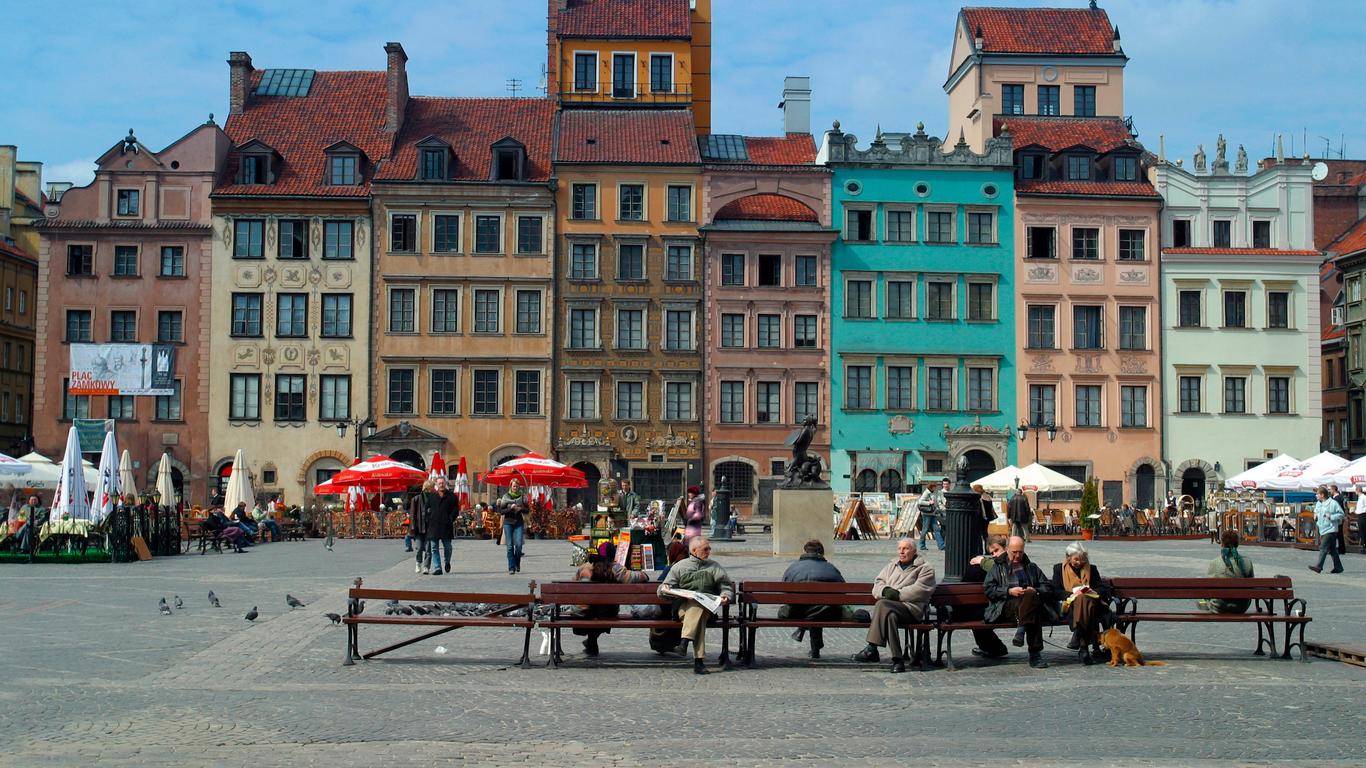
(514, 85)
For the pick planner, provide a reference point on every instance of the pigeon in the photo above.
(359, 581)
(213, 600)
(420, 610)
(406, 610)
(333, 617)
(179, 604)
(360, 607)
(293, 601)
(252, 614)
(165, 609)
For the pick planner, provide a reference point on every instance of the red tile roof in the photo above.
(1041, 30)
(644, 137)
(1092, 188)
(471, 127)
(340, 106)
(17, 252)
(626, 19)
(1331, 332)
(1239, 252)
(792, 149)
(766, 207)
(1102, 134)
(1351, 241)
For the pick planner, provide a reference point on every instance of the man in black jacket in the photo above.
(812, 566)
(989, 646)
(1017, 510)
(1020, 592)
(441, 507)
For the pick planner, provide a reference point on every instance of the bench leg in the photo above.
(1288, 632)
(948, 650)
(350, 646)
(939, 648)
(922, 639)
(724, 659)
(749, 647)
(525, 662)
(1265, 627)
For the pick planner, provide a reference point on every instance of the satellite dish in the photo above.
(1319, 172)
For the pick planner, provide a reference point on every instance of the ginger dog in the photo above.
(1122, 648)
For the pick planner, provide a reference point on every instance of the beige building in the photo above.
(21, 211)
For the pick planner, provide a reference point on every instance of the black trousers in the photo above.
(1361, 532)
(1328, 547)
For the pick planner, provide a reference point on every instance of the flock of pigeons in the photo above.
(290, 600)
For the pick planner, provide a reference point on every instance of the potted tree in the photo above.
(1090, 505)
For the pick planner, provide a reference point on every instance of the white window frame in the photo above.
(644, 199)
(887, 365)
(417, 390)
(886, 223)
(952, 280)
(597, 260)
(635, 74)
(569, 381)
(971, 280)
(692, 261)
(952, 211)
(389, 231)
(459, 389)
(569, 327)
(516, 312)
(512, 245)
(951, 364)
(541, 394)
(498, 406)
(664, 327)
(848, 207)
(573, 72)
(995, 368)
(474, 235)
(617, 415)
(597, 200)
(389, 307)
(861, 277)
(1104, 404)
(673, 75)
(459, 310)
(1195, 373)
(460, 223)
(664, 399)
(692, 202)
(644, 309)
(994, 211)
(502, 308)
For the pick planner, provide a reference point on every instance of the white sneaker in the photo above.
(417, 568)
(426, 572)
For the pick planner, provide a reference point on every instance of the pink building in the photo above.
(126, 259)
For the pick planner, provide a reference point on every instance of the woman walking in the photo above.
(1329, 517)
(513, 506)
(417, 527)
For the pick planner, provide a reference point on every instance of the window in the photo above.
(1235, 394)
(1085, 243)
(246, 314)
(293, 239)
(338, 240)
(172, 262)
(586, 72)
(402, 310)
(291, 310)
(630, 329)
(1235, 309)
(900, 300)
(858, 298)
(939, 227)
(1031, 166)
(78, 325)
(583, 202)
(486, 311)
(334, 403)
(770, 331)
(488, 234)
(1278, 394)
(80, 260)
(806, 271)
(529, 229)
(583, 261)
(678, 400)
(1190, 394)
(128, 202)
(661, 73)
(289, 397)
(485, 393)
(630, 261)
(583, 329)
(1078, 167)
(1042, 320)
(1126, 169)
(168, 406)
(1042, 402)
(1223, 233)
(400, 391)
(678, 329)
(433, 164)
(939, 388)
(981, 301)
(253, 169)
(74, 406)
(1012, 99)
(900, 226)
(1088, 405)
(680, 203)
(1133, 328)
(583, 400)
(121, 408)
(623, 75)
(1084, 100)
(631, 202)
(23, 302)
(125, 261)
(806, 400)
(678, 263)
(1277, 309)
(445, 310)
(1190, 309)
(981, 229)
(403, 233)
(248, 236)
(981, 389)
(1041, 242)
(900, 388)
(939, 300)
(1181, 233)
(768, 402)
(732, 402)
(528, 311)
(445, 391)
(770, 270)
(245, 402)
(1261, 234)
(732, 269)
(527, 394)
(170, 326)
(858, 387)
(1048, 100)
(858, 225)
(341, 169)
(1133, 402)
(336, 316)
(1132, 245)
(630, 400)
(804, 331)
(732, 331)
(123, 326)
(1086, 328)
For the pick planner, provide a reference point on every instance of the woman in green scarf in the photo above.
(514, 506)
(1229, 565)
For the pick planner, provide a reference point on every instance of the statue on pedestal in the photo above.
(1199, 158)
(1241, 166)
(804, 469)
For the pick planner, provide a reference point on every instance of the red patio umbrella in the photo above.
(378, 473)
(533, 469)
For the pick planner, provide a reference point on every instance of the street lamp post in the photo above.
(962, 506)
(364, 427)
(1025, 428)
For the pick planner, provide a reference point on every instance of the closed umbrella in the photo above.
(462, 484)
(438, 466)
(239, 485)
(92, 473)
(106, 481)
(127, 483)
(166, 482)
(70, 501)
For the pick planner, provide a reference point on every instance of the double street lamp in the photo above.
(1025, 428)
(364, 427)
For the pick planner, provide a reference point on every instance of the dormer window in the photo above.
(344, 165)
(1078, 168)
(433, 160)
(509, 160)
(1031, 166)
(254, 169)
(1126, 169)
(257, 164)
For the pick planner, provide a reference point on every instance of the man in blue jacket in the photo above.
(812, 566)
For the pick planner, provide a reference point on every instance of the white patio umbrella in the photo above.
(71, 500)
(166, 483)
(1002, 479)
(1350, 475)
(1305, 475)
(11, 467)
(1037, 477)
(127, 483)
(239, 485)
(1253, 478)
(42, 472)
(107, 482)
(92, 473)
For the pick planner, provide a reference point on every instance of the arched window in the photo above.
(865, 481)
(739, 478)
(891, 482)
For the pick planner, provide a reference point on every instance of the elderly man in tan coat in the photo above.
(903, 590)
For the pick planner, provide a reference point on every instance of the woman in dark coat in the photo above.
(417, 527)
(1086, 599)
(442, 507)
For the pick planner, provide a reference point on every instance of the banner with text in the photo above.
(122, 369)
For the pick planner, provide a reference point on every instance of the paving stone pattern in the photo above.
(92, 673)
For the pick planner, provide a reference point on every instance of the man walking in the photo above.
(1020, 592)
(1019, 514)
(932, 504)
(903, 590)
(1361, 517)
(441, 511)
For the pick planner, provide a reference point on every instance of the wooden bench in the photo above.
(964, 597)
(560, 595)
(753, 594)
(1273, 602)
(497, 618)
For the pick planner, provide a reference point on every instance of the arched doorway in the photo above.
(410, 457)
(1145, 480)
(980, 464)
(178, 482)
(586, 496)
(1193, 485)
(739, 479)
(891, 482)
(865, 481)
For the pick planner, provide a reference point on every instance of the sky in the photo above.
(82, 73)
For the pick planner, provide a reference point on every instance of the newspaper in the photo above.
(711, 602)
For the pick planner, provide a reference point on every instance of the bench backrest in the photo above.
(807, 593)
(959, 595)
(423, 596)
(601, 593)
(1274, 588)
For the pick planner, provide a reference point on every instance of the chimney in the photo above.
(396, 82)
(8, 158)
(977, 38)
(239, 65)
(796, 105)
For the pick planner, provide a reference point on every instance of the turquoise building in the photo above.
(922, 361)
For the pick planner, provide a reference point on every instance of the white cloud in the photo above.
(78, 172)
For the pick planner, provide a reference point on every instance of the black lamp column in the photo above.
(961, 506)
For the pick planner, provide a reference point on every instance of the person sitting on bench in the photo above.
(812, 566)
(263, 520)
(602, 568)
(989, 646)
(1019, 592)
(903, 590)
(1228, 565)
(698, 573)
